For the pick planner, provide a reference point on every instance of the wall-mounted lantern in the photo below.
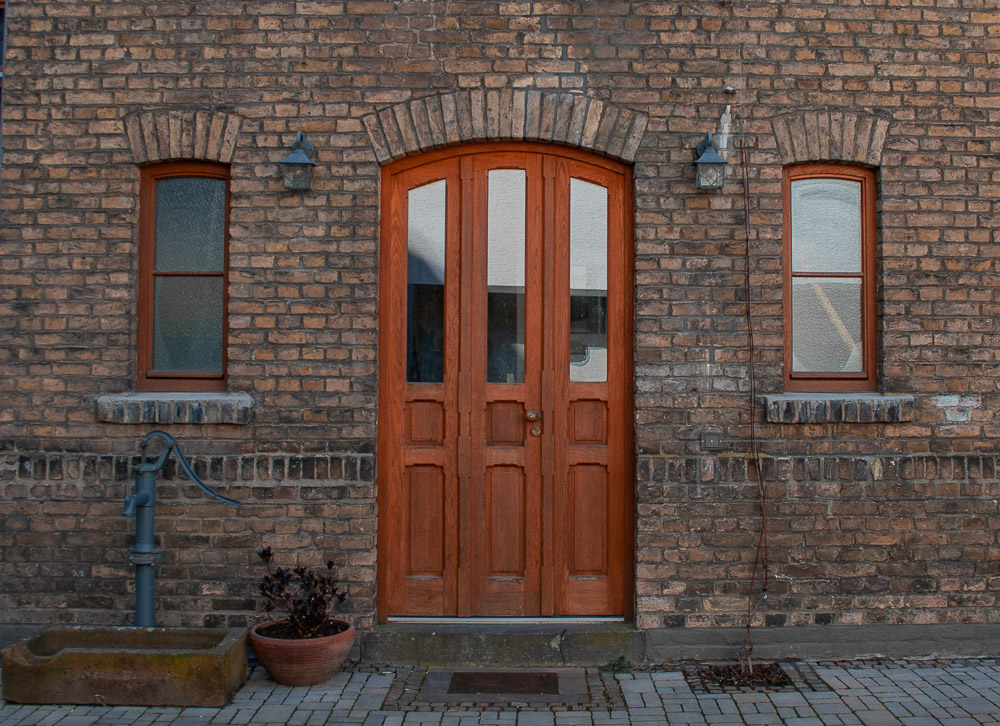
(297, 167)
(711, 167)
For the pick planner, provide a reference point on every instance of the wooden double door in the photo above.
(505, 413)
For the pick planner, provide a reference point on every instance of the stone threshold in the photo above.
(509, 644)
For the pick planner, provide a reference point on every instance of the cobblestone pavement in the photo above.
(960, 692)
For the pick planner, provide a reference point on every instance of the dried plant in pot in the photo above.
(308, 645)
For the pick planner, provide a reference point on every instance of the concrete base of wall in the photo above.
(842, 641)
(601, 643)
(551, 644)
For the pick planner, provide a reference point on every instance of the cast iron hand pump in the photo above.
(141, 504)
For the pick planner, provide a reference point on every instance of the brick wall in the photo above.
(912, 538)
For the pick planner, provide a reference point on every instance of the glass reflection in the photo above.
(187, 324)
(826, 326)
(505, 276)
(826, 225)
(425, 283)
(588, 281)
(190, 224)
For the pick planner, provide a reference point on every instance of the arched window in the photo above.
(183, 265)
(829, 278)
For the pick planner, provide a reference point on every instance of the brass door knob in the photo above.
(533, 416)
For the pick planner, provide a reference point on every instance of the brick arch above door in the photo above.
(574, 119)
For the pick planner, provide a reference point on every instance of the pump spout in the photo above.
(140, 499)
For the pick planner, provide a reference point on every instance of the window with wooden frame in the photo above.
(829, 278)
(183, 277)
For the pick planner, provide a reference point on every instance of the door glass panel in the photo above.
(505, 276)
(190, 224)
(826, 225)
(187, 323)
(425, 283)
(588, 281)
(826, 325)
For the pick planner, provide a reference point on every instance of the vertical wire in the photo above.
(761, 565)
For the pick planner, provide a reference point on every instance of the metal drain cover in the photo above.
(492, 682)
(507, 685)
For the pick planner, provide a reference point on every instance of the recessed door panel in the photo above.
(505, 423)
(425, 521)
(505, 440)
(505, 497)
(588, 422)
(425, 423)
(588, 520)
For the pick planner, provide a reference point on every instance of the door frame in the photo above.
(385, 444)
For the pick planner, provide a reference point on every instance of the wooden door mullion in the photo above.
(535, 447)
(469, 463)
(549, 246)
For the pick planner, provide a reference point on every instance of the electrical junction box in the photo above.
(711, 441)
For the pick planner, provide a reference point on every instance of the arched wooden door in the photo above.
(505, 409)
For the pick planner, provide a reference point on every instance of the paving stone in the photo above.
(535, 719)
(877, 718)
(898, 692)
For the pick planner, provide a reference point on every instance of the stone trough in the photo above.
(201, 667)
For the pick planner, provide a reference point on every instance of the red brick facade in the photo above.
(883, 508)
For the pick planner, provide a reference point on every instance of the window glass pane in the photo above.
(505, 276)
(588, 281)
(187, 324)
(826, 325)
(425, 283)
(826, 225)
(190, 224)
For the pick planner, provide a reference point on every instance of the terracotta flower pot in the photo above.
(302, 662)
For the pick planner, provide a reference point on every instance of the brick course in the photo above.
(876, 522)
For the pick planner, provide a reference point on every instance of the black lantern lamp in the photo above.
(297, 167)
(711, 167)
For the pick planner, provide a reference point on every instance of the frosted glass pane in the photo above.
(190, 224)
(826, 325)
(588, 281)
(187, 324)
(425, 282)
(505, 276)
(826, 225)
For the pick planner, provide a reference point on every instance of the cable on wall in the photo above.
(761, 566)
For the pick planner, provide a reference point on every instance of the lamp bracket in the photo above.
(705, 143)
(301, 142)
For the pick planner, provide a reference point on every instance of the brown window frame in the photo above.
(147, 378)
(867, 379)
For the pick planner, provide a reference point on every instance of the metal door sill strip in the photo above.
(507, 621)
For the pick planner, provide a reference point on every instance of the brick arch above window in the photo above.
(156, 136)
(574, 119)
(830, 136)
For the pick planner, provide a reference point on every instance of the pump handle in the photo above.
(172, 445)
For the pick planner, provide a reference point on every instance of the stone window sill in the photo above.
(175, 408)
(813, 408)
